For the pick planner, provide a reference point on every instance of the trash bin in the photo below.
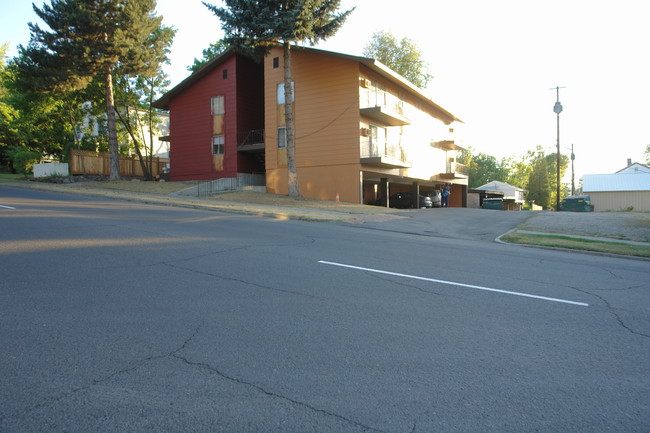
(493, 203)
(577, 203)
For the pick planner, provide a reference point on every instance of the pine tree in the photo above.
(253, 27)
(91, 39)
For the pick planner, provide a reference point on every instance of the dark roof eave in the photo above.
(375, 65)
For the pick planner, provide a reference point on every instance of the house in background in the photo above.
(513, 197)
(627, 189)
(634, 168)
(362, 131)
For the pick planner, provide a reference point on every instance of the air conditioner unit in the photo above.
(365, 132)
(364, 82)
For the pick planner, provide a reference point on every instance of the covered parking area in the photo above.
(377, 187)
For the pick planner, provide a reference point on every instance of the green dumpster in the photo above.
(493, 203)
(577, 203)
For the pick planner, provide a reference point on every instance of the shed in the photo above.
(620, 191)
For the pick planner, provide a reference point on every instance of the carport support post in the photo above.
(383, 191)
(416, 195)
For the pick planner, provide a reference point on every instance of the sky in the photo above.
(496, 65)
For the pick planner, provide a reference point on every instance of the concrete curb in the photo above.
(569, 250)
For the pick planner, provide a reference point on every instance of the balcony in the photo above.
(384, 116)
(383, 108)
(455, 170)
(383, 155)
(446, 145)
(251, 141)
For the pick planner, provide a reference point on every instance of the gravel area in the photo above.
(633, 226)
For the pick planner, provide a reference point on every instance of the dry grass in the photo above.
(577, 244)
(286, 201)
(247, 197)
(139, 186)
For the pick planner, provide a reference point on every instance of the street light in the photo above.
(557, 109)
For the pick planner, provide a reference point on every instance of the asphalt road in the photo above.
(125, 317)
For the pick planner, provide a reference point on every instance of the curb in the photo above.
(579, 251)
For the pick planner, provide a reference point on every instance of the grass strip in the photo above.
(11, 176)
(577, 244)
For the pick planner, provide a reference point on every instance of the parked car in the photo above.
(436, 197)
(405, 200)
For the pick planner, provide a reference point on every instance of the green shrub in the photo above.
(22, 160)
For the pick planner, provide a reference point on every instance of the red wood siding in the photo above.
(191, 121)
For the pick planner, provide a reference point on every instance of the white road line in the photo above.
(452, 283)
(7, 207)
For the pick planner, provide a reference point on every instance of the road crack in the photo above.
(272, 394)
(94, 382)
(613, 312)
(241, 281)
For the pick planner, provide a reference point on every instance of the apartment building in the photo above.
(362, 132)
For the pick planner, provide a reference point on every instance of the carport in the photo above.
(378, 187)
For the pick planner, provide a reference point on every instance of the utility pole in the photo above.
(573, 173)
(557, 109)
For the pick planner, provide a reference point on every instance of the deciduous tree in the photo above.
(403, 56)
(91, 39)
(255, 26)
(483, 168)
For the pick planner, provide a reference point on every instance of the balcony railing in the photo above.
(251, 140)
(383, 154)
(383, 107)
(456, 170)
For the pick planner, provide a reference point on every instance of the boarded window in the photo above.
(281, 93)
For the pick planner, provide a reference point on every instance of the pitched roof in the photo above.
(374, 65)
(163, 102)
(616, 182)
(380, 68)
(635, 168)
(499, 186)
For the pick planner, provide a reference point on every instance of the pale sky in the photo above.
(494, 63)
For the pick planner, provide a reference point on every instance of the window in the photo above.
(276, 62)
(218, 146)
(282, 137)
(224, 74)
(281, 93)
(217, 106)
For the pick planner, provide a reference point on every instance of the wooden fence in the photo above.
(98, 163)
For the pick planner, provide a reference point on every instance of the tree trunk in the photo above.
(127, 125)
(294, 190)
(112, 128)
(151, 125)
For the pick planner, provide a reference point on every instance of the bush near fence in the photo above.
(85, 162)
